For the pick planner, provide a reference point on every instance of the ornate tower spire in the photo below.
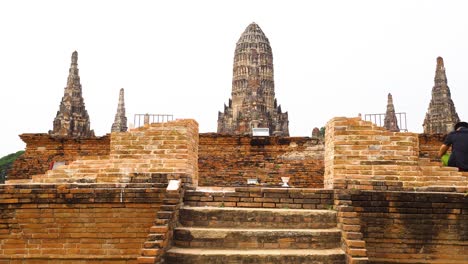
(253, 101)
(316, 132)
(390, 121)
(120, 121)
(72, 119)
(441, 115)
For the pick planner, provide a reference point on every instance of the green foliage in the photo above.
(322, 131)
(5, 164)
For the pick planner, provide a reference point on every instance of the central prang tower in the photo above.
(253, 103)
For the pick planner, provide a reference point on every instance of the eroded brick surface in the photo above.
(230, 160)
(258, 197)
(43, 149)
(103, 223)
(139, 155)
(361, 155)
(423, 227)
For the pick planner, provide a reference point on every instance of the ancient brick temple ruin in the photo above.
(253, 103)
(390, 121)
(441, 115)
(165, 193)
(72, 119)
(70, 138)
(379, 200)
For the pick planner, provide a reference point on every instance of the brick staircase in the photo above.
(213, 234)
(433, 174)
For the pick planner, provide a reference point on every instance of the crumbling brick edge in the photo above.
(352, 241)
(160, 235)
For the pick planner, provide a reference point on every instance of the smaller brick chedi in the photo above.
(390, 121)
(120, 121)
(72, 119)
(441, 115)
(253, 103)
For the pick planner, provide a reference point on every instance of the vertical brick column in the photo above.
(361, 155)
(170, 147)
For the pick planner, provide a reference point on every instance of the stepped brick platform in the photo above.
(255, 235)
(390, 204)
(361, 155)
(292, 198)
(256, 217)
(135, 156)
(99, 209)
(406, 227)
(76, 223)
(43, 149)
(245, 238)
(273, 256)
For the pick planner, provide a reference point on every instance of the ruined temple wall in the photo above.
(78, 223)
(226, 160)
(429, 145)
(361, 155)
(410, 227)
(223, 159)
(43, 149)
(170, 147)
(102, 210)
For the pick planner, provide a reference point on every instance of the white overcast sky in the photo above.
(331, 58)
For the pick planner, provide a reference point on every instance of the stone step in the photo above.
(82, 158)
(240, 256)
(256, 218)
(256, 238)
(66, 180)
(438, 168)
(442, 178)
(428, 161)
(443, 183)
(18, 181)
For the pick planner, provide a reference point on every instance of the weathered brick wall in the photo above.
(358, 153)
(75, 220)
(361, 155)
(257, 197)
(352, 241)
(226, 160)
(413, 227)
(43, 149)
(160, 237)
(429, 145)
(170, 147)
(145, 154)
(77, 223)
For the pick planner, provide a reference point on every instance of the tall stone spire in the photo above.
(72, 119)
(253, 103)
(120, 121)
(441, 115)
(390, 121)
